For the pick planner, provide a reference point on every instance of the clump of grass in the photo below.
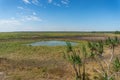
(77, 61)
(97, 49)
(116, 64)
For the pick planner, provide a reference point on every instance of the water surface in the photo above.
(51, 43)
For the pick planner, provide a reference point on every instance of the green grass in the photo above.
(25, 35)
(22, 62)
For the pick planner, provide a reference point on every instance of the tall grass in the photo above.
(106, 71)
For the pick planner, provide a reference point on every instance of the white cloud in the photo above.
(31, 18)
(35, 2)
(26, 1)
(9, 22)
(56, 4)
(34, 13)
(50, 1)
(19, 7)
(18, 24)
(64, 2)
(38, 3)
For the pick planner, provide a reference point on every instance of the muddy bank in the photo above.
(87, 38)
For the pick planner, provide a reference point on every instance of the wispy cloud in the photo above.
(57, 4)
(31, 18)
(20, 7)
(9, 22)
(26, 1)
(35, 2)
(34, 13)
(50, 1)
(18, 24)
(19, 21)
(64, 2)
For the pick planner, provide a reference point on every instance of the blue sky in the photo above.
(59, 15)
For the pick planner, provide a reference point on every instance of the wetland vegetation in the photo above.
(21, 62)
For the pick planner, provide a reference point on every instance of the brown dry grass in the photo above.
(54, 68)
(21, 62)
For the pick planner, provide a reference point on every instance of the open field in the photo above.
(22, 62)
(16, 36)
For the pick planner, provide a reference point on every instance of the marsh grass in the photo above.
(34, 35)
(22, 62)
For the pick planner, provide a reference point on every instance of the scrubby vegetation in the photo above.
(107, 69)
(22, 62)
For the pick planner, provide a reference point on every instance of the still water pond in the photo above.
(51, 43)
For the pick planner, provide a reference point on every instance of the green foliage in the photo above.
(92, 46)
(69, 47)
(96, 48)
(116, 64)
(117, 32)
(74, 58)
(112, 42)
(32, 35)
(84, 51)
(84, 62)
(100, 47)
(13, 49)
(106, 77)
